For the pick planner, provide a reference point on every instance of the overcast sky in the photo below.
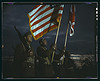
(83, 41)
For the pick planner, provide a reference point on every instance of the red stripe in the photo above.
(53, 27)
(38, 10)
(41, 13)
(40, 26)
(73, 8)
(71, 31)
(41, 34)
(59, 14)
(73, 14)
(34, 8)
(73, 26)
(45, 31)
(61, 8)
(41, 19)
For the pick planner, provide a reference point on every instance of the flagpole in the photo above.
(65, 41)
(66, 36)
(67, 31)
(56, 38)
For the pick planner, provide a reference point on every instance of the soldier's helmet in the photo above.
(41, 41)
(27, 33)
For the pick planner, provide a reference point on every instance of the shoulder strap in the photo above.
(24, 47)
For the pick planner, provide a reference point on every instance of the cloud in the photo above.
(54, 33)
(48, 37)
(79, 41)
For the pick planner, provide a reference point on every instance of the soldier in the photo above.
(69, 66)
(59, 66)
(24, 59)
(44, 67)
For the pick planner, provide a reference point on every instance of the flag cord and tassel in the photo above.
(56, 39)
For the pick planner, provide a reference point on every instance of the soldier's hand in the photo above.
(64, 49)
(53, 46)
(31, 53)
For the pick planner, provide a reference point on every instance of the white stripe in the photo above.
(44, 14)
(51, 24)
(69, 22)
(33, 11)
(40, 30)
(40, 23)
(39, 12)
(60, 12)
(62, 6)
(72, 23)
(71, 34)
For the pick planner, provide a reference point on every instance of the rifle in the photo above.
(23, 40)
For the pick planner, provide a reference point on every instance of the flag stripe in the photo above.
(37, 10)
(40, 30)
(40, 26)
(48, 8)
(61, 8)
(34, 8)
(32, 12)
(72, 30)
(61, 5)
(40, 23)
(60, 11)
(43, 8)
(41, 17)
(72, 19)
(43, 32)
(53, 27)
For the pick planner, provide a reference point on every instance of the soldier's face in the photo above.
(29, 38)
(45, 42)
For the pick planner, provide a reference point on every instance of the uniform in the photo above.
(69, 66)
(24, 62)
(44, 67)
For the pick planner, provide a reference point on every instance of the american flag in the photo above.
(44, 18)
(72, 19)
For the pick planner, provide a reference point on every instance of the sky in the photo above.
(82, 42)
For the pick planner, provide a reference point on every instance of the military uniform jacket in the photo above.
(23, 62)
(44, 67)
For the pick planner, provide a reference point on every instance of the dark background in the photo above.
(83, 41)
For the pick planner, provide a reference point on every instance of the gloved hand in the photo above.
(53, 46)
